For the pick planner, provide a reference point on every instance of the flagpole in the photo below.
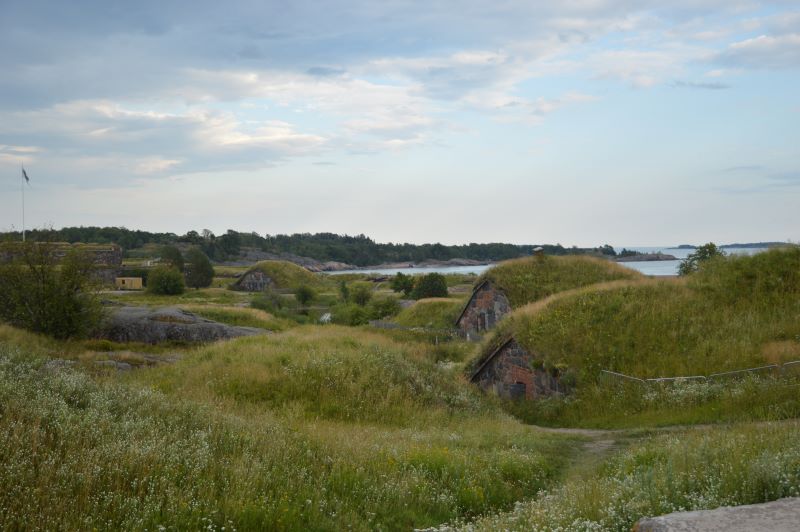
(22, 188)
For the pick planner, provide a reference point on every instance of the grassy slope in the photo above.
(690, 470)
(323, 428)
(436, 313)
(736, 313)
(532, 278)
(288, 275)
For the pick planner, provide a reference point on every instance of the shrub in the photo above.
(702, 254)
(171, 256)
(304, 294)
(361, 293)
(199, 271)
(402, 283)
(349, 314)
(39, 294)
(430, 285)
(383, 307)
(164, 280)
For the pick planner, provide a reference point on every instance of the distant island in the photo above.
(749, 245)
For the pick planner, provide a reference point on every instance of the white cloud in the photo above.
(764, 51)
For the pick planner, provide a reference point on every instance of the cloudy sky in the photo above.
(579, 121)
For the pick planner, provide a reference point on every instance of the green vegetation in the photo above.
(165, 281)
(317, 428)
(287, 275)
(429, 285)
(734, 313)
(532, 278)
(436, 313)
(360, 292)
(357, 250)
(171, 256)
(245, 317)
(304, 294)
(199, 271)
(41, 293)
(694, 260)
(690, 470)
(402, 283)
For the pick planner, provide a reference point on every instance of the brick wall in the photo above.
(486, 307)
(512, 373)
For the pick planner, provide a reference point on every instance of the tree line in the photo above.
(359, 250)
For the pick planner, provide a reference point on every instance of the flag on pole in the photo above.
(25, 175)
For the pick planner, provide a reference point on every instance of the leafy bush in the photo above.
(430, 285)
(383, 307)
(164, 280)
(694, 260)
(349, 314)
(199, 270)
(402, 283)
(360, 293)
(171, 256)
(39, 294)
(304, 294)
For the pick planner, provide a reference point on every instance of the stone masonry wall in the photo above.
(255, 281)
(486, 307)
(512, 374)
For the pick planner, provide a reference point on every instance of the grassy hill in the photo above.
(435, 313)
(532, 278)
(287, 274)
(736, 313)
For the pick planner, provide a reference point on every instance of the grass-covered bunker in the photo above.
(733, 314)
(275, 274)
(520, 281)
(513, 372)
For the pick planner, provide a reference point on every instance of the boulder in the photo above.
(782, 515)
(167, 324)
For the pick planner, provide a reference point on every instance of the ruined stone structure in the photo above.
(513, 373)
(485, 308)
(254, 281)
(107, 258)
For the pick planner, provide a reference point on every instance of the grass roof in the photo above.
(286, 274)
(434, 312)
(531, 278)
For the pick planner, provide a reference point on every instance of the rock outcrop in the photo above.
(151, 326)
(782, 515)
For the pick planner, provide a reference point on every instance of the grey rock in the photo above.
(782, 515)
(152, 326)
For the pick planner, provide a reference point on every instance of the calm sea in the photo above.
(668, 267)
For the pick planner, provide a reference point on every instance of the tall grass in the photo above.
(435, 313)
(531, 278)
(82, 454)
(691, 470)
(289, 275)
(736, 313)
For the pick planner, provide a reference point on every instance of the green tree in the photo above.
(694, 260)
(344, 291)
(41, 293)
(171, 256)
(304, 294)
(430, 285)
(383, 307)
(165, 281)
(402, 283)
(199, 270)
(361, 293)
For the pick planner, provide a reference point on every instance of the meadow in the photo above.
(330, 427)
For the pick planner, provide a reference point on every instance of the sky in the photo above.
(578, 122)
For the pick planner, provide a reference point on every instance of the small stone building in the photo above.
(513, 373)
(487, 305)
(128, 283)
(254, 281)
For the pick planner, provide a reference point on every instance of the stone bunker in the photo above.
(486, 306)
(513, 372)
(254, 281)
